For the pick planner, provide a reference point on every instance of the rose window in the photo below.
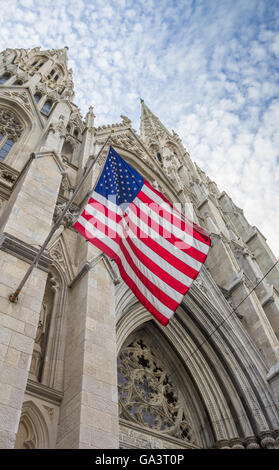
(147, 395)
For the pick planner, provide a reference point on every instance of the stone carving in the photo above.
(176, 136)
(125, 120)
(69, 217)
(26, 438)
(146, 394)
(7, 175)
(37, 355)
(22, 97)
(10, 125)
(50, 410)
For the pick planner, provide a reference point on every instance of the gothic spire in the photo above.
(151, 128)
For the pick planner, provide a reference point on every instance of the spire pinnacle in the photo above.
(150, 125)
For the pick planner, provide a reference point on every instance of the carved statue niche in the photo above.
(42, 332)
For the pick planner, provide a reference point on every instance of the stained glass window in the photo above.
(147, 394)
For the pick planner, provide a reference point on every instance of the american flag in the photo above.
(157, 250)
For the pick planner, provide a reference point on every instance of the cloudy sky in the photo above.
(207, 68)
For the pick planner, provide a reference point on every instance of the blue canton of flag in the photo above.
(119, 182)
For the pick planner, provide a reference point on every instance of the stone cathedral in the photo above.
(83, 364)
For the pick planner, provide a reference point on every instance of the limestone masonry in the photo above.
(83, 365)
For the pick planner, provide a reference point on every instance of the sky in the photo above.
(207, 68)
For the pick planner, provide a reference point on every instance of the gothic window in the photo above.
(6, 148)
(10, 131)
(67, 151)
(159, 157)
(4, 78)
(54, 75)
(32, 431)
(37, 64)
(37, 97)
(76, 134)
(147, 395)
(26, 437)
(46, 107)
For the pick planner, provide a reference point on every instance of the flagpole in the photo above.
(14, 296)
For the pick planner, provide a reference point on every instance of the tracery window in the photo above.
(10, 131)
(18, 82)
(46, 107)
(67, 151)
(37, 97)
(147, 395)
(159, 157)
(4, 78)
(53, 74)
(37, 64)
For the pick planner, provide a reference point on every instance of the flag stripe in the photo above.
(156, 253)
(171, 220)
(103, 247)
(205, 235)
(94, 205)
(200, 245)
(107, 203)
(172, 254)
(156, 269)
(120, 258)
(145, 274)
(167, 239)
(101, 222)
(153, 273)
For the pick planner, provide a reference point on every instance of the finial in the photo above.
(141, 100)
(90, 117)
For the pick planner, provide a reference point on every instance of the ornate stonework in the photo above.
(147, 396)
(210, 379)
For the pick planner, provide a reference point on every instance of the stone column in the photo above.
(89, 410)
(228, 276)
(25, 225)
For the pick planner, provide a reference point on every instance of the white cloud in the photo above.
(207, 69)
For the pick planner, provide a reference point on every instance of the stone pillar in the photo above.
(228, 276)
(89, 410)
(24, 227)
(265, 257)
(273, 380)
(256, 322)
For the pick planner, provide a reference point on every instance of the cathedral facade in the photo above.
(83, 364)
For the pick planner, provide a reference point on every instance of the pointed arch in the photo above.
(32, 430)
(154, 395)
(223, 384)
(19, 129)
